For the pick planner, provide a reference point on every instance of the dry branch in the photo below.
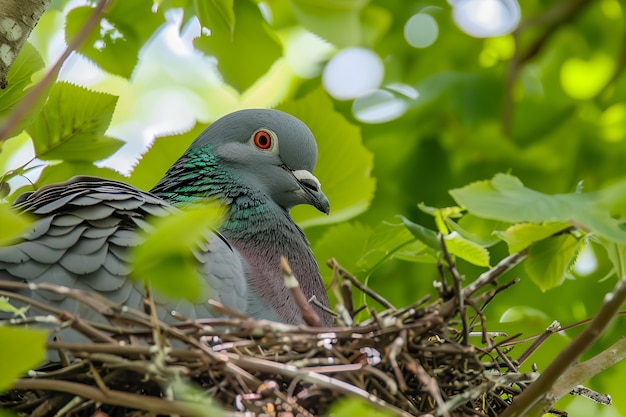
(417, 360)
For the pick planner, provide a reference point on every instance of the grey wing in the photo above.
(81, 237)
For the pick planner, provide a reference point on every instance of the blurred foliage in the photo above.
(26, 350)
(545, 104)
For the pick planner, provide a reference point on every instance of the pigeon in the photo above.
(257, 162)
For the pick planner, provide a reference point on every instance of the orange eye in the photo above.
(263, 139)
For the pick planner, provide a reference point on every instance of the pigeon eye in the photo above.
(262, 139)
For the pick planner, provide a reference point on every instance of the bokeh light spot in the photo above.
(378, 106)
(496, 49)
(421, 30)
(352, 72)
(613, 123)
(612, 9)
(486, 18)
(583, 80)
(404, 89)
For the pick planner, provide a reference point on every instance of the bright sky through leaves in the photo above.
(486, 18)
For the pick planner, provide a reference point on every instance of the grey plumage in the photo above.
(85, 226)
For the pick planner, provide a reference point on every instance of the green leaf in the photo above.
(216, 14)
(72, 124)
(195, 399)
(447, 212)
(115, 43)
(549, 260)
(350, 407)
(21, 350)
(12, 224)
(163, 152)
(384, 242)
(472, 252)
(523, 313)
(506, 199)
(7, 307)
(616, 254)
(442, 215)
(479, 230)
(8, 149)
(68, 169)
(19, 79)
(361, 249)
(456, 244)
(425, 235)
(245, 54)
(347, 181)
(166, 259)
(520, 236)
(342, 22)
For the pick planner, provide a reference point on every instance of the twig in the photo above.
(395, 348)
(554, 327)
(121, 398)
(503, 266)
(603, 399)
(583, 371)
(345, 274)
(457, 282)
(309, 315)
(222, 309)
(489, 384)
(525, 403)
(321, 380)
(430, 383)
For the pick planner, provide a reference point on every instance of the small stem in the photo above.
(345, 274)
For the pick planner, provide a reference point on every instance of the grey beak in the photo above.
(311, 190)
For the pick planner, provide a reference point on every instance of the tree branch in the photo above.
(534, 400)
(17, 20)
(124, 399)
(38, 89)
(552, 19)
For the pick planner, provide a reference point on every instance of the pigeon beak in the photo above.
(311, 190)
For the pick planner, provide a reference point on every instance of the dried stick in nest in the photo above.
(401, 360)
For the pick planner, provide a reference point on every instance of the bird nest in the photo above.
(434, 357)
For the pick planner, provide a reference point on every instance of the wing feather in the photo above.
(81, 239)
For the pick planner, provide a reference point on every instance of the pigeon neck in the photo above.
(200, 176)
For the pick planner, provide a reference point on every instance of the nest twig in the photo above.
(416, 360)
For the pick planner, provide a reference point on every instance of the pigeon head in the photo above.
(271, 151)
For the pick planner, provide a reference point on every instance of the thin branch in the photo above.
(583, 371)
(345, 274)
(19, 18)
(555, 327)
(532, 400)
(313, 377)
(309, 315)
(457, 282)
(551, 20)
(503, 266)
(22, 109)
(121, 398)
